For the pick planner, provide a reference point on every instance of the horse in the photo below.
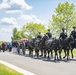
(58, 46)
(37, 46)
(73, 45)
(67, 46)
(43, 45)
(30, 46)
(49, 46)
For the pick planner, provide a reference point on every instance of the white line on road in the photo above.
(17, 68)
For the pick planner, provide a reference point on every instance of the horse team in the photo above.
(45, 45)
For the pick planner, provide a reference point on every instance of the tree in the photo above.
(14, 34)
(31, 29)
(64, 16)
(17, 35)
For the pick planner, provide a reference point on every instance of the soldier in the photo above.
(73, 33)
(49, 33)
(63, 35)
(39, 35)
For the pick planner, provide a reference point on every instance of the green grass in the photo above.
(4, 70)
(74, 52)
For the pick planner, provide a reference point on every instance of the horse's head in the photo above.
(46, 37)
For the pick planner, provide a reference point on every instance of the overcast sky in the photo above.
(16, 13)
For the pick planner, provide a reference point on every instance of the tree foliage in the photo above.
(14, 34)
(64, 16)
(31, 29)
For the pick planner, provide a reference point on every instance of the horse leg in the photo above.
(44, 53)
(72, 53)
(32, 52)
(51, 54)
(55, 54)
(65, 53)
(37, 53)
(55, 57)
(29, 52)
(48, 53)
(60, 53)
(23, 50)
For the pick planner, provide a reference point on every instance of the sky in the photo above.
(16, 13)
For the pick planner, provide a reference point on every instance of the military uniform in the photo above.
(49, 33)
(63, 35)
(39, 36)
(73, 33)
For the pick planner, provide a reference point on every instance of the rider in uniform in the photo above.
(73, 33)
(39, 35)
(49, 33)
(63, 35)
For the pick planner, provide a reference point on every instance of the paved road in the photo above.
(40, 66)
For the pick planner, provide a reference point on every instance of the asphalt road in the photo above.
(40, 66)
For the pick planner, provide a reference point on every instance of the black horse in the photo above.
(73, 44)
(49, 46)
(66, 45)
(43, 45)
(37, 46)
(57, 47)
(30, 46)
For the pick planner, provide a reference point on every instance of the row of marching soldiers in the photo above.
(63, 34)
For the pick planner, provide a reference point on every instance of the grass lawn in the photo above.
(74, 51)
(4, 70)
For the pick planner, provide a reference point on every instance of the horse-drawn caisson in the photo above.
(46, 44)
